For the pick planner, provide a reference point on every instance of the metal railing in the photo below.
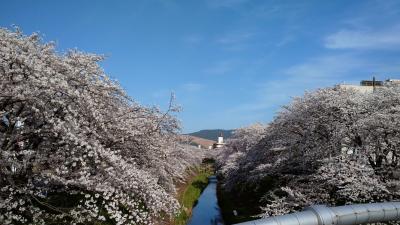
(340, 215)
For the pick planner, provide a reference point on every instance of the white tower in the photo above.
(220, 139)
(220, 142)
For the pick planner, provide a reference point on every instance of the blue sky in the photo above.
(229, 62)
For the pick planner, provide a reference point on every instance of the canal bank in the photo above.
(198, 198)
(207, 211)
(191, 190)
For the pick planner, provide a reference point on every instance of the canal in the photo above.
(207, 211)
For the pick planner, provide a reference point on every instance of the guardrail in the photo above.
(340, 215)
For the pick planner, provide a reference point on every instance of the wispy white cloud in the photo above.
(222, 67)
(378, 39)
(235, 38)
(192, 87)
(236, 41)
(286, 40)
(327, 66)
(318, 72)
(373, 26)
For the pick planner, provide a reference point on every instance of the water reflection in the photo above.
(207, 211)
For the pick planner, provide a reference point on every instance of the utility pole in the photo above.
(373, 84)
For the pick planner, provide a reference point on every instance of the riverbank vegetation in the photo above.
(75, 148)
(191, 192)
(332, 146)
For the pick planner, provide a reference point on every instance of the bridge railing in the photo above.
(340, 215)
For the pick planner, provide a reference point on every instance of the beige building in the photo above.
(368, 86)
(363, 89)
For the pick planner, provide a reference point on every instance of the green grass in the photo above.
(192, 192)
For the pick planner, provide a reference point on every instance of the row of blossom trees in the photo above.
(74, 148)
(331, 146)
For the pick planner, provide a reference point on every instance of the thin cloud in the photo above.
(286, 40)
(235, 38)
(314, 73)
(236, 41)
(221, 68)
(388, 39)
(327, 66)
(192, 87)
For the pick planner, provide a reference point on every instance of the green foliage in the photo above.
(245, 201)
(209, 161)
(192, 193)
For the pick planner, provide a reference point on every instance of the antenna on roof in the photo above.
(373, 84)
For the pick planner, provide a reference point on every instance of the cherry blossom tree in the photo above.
(379, 130)
(75, 148)
(331, 146)
(229, 157)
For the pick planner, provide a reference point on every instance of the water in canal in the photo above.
(207, 211)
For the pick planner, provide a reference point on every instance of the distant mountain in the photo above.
(212, 134)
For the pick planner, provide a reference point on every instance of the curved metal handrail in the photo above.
(340, 215)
